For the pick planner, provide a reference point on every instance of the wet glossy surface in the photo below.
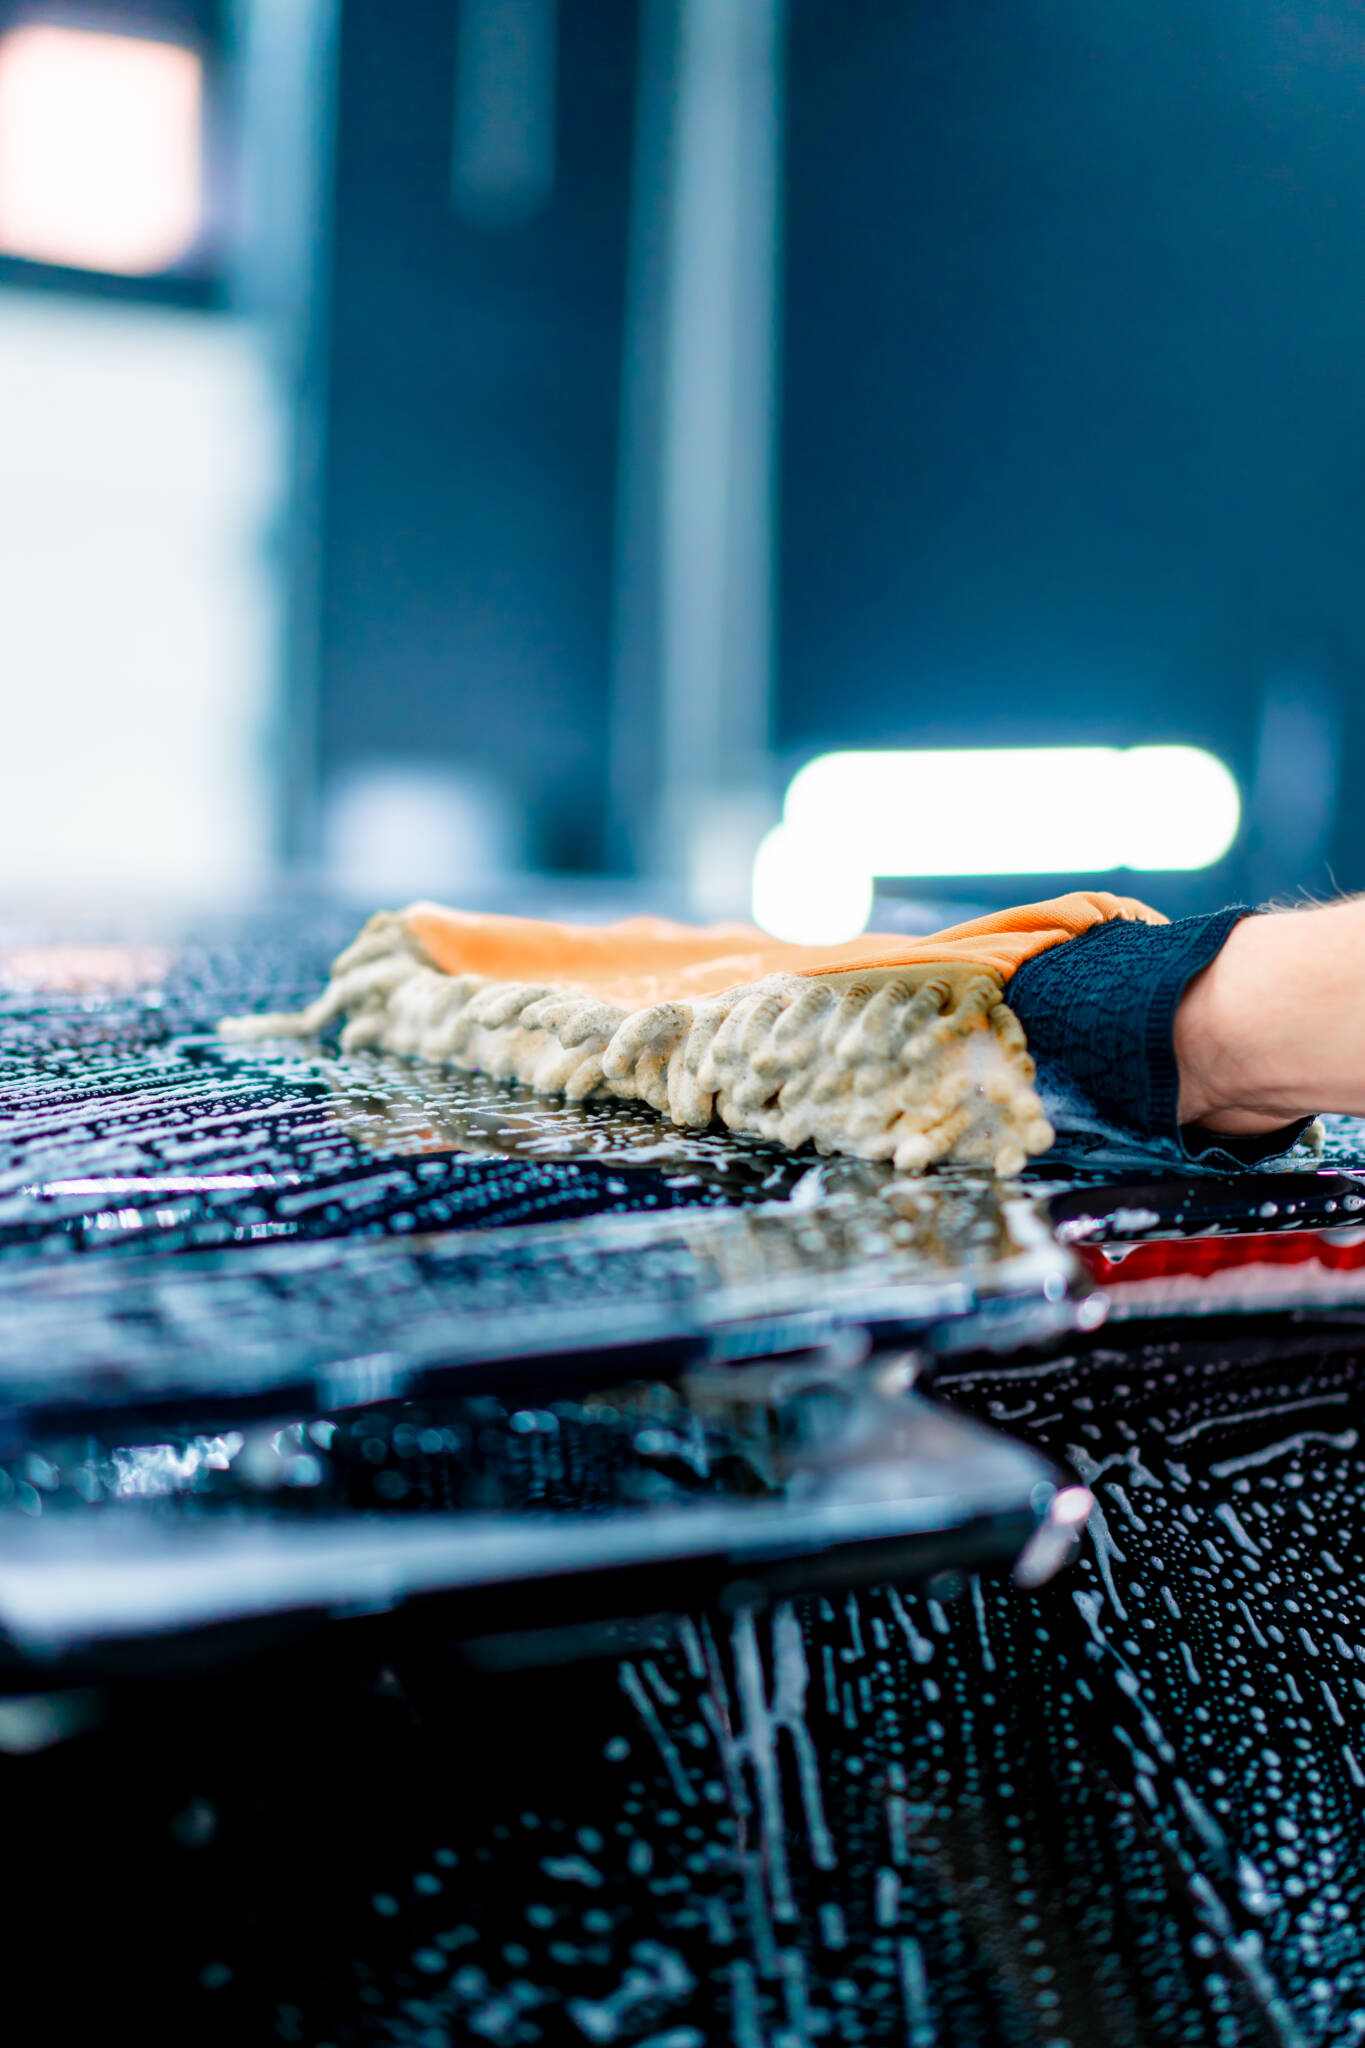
(208, 1255)
(320, 1207)
(1124, 1808)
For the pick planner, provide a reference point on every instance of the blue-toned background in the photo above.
(562, 422)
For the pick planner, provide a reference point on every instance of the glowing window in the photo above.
(140, 474)
(850, 817)
(100, 149)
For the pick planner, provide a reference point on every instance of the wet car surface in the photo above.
(276, 1296)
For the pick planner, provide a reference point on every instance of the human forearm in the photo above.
(1274, 1028)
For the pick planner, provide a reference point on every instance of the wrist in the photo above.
(1254, 1033)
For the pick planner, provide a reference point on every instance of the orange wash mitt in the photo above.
(887, 1047)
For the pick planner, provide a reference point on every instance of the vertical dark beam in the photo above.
(635, 768)
(475, 358)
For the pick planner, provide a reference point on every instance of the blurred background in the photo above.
(701, 452)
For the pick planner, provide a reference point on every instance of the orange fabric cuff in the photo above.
(646, 960)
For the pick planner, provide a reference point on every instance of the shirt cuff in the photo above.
(1102, 1008)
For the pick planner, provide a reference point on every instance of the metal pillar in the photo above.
(693, 643)
(285, 54)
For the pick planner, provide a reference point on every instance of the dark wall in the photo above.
(1074, 436)
(473, 426)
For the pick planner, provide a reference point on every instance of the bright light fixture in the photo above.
(100, 149)
(799, 893)
(850, 817)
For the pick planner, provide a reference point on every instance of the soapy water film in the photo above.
(1124, 1808)
(130, 1125)
(319, 1206)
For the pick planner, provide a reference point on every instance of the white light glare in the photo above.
(100, 147)
(800, 893)
(850, 817)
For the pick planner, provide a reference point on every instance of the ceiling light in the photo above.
(851, 817)
(100, 149)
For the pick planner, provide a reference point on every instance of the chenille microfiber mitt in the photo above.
(886, 1047)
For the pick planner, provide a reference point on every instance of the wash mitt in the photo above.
(886, 1047)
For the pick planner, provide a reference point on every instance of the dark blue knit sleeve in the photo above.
(1101, 1009)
